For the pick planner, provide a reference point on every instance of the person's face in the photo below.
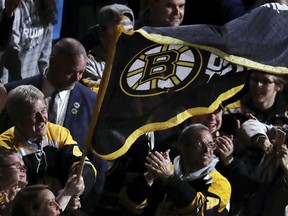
(168, 12)
(200, 153)
(32, 123)
(12, 171)
(213, 120)
(48, 206)
(263, 88)
(66, 71)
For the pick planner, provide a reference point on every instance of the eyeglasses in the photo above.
(202, 145)
(262, 81)
(16, 166)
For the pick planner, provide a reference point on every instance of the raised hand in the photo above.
(9, 195)
(15, 188)
(70, 196)
(159, 165)
(74, 185)
(225, 148)
(74, 203)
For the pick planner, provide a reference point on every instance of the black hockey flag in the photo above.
(159, 77)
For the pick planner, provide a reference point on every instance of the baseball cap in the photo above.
(109, 14)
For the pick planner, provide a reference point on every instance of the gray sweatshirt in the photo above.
(30, 46)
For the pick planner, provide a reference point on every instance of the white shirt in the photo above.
(48, 90)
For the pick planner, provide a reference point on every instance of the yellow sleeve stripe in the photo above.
(222, 188)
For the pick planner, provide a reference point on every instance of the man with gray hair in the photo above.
(49, 152)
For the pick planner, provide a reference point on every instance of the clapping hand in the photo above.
(159, 165)
(225, 148)
(10, 194)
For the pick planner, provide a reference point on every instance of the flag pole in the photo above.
(102, 89)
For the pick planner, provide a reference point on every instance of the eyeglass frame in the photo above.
(200, 145)
(17, 166)
(261, 81)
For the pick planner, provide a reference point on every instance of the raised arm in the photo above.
(74, 188)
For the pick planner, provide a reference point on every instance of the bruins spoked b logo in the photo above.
(159, 69)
